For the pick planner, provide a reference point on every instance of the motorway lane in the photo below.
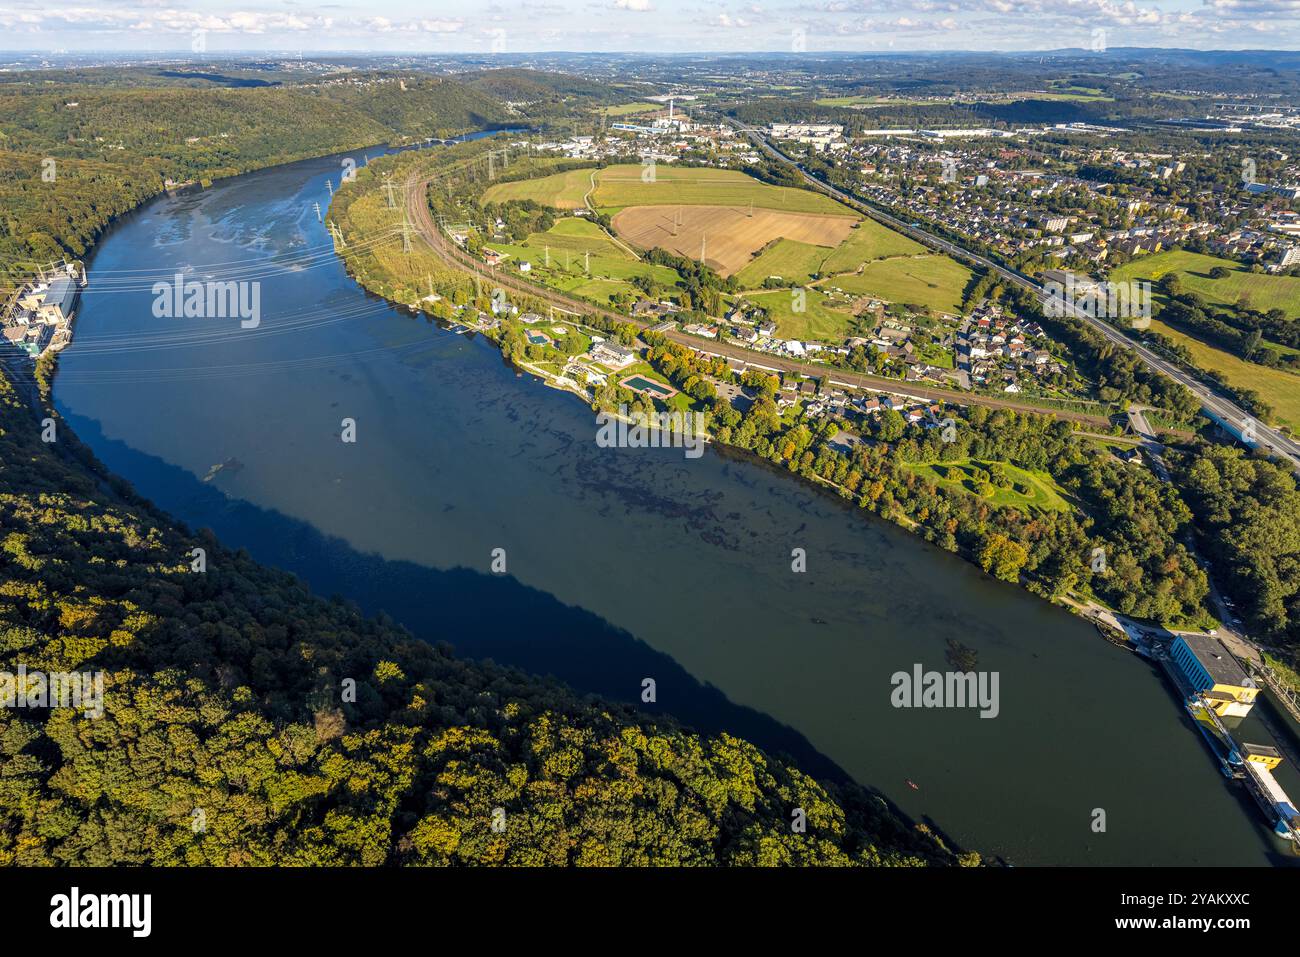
(1223, 410)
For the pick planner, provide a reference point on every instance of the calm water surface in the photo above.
(623, 564)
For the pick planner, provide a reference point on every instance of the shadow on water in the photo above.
(482, 615)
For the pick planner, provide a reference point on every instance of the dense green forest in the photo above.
(229, 735)
(248, 722)
(1248, 516)
(1127, 512)
(536, 93)
(73, 156)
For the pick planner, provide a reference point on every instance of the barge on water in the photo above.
(1268, 794)
(1213, 685)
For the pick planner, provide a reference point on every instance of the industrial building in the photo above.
(57, 304)
(1215, 674)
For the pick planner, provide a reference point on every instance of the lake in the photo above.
(621, 564)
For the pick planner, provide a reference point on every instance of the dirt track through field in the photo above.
(728, 235)
(417, 205)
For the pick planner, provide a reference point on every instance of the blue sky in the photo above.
(440, 26)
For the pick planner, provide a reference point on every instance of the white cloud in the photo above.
(166, 20)
(1283, 9)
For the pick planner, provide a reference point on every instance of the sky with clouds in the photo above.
(518, 26)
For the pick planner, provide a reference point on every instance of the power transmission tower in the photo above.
(317, 208)
(329, 185)
(388, 186)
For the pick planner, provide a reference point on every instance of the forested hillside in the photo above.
(229, 736)
(74, 156)
(536, 93)
(1248, 513)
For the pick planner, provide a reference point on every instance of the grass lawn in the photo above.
(568, 241)
(816, 323)
(598, 290)
(618, 187)
(1042, 492)
(561, 190)
(1260, 291)
(572, 235)
(936, 355)
(793, 261)
(844, 100)
(679, 400)
(578, 227)
(933, 280)
(797, 262)
(870, 240)
(1279, 389)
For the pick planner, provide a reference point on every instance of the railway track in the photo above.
(415, 191)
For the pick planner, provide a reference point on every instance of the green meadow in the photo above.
(1036, 489)
(1258, 291)
(934, 281)
(815, 323)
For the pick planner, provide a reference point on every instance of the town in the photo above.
(457, 445)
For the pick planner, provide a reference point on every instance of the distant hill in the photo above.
(107, 148)
(542, 93)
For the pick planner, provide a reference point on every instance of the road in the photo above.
(1216, 406)
(1150, 441)
(415, 192)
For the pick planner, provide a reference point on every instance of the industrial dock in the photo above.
(37, 318)
(1213, 686)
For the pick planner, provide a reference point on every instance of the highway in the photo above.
(1216, 406)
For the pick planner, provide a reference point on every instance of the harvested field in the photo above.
(729, 236)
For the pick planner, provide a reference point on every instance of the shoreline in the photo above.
(45, 386)
(822, 487)
(1111, 626)
(817, 483)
